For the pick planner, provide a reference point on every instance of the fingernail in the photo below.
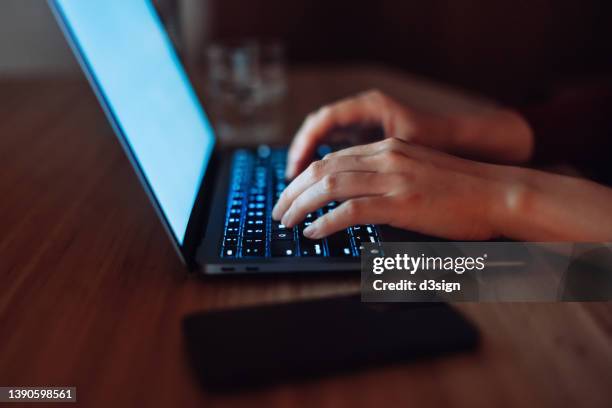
(286, 219)
(310, 231)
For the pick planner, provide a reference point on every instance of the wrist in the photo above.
(512, 206)
(526, 211)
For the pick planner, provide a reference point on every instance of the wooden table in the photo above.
(92, 294)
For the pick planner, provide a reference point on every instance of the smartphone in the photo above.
(279, 343)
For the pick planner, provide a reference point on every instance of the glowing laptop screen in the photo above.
(129, 56)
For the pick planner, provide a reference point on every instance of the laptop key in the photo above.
(339, 244)
(229, 252)
(233, 222)
(254, 232)
(230, 241)
(254, 251)
(232, 231)
(277, 226)
(282, 248)
(310, 247)
(282, 235)
(255, 222)
(253, 242)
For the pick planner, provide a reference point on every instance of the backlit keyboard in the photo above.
(257, 180)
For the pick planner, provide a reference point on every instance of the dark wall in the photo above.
(507, 49)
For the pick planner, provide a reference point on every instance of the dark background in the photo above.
(511, 50)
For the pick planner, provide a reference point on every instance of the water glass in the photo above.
(247, 88)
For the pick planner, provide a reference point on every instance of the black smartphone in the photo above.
(268, 344)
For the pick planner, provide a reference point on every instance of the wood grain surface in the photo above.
(92, 294)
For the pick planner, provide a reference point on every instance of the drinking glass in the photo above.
(247, 88)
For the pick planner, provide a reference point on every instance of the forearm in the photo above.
(497, 135)
(572, 126)
(549, 207)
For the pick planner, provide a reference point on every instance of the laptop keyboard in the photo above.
(257, 179)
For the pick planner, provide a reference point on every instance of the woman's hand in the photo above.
(423, 190)
(393, 182)
(497, 135)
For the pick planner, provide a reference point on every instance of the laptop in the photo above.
(215, 204)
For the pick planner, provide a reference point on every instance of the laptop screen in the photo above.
(129, 56)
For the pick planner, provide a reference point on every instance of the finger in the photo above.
(413, 151)
(363, 210)
(366, 149)
(315, 172)
(336, 187)
(361, 109)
